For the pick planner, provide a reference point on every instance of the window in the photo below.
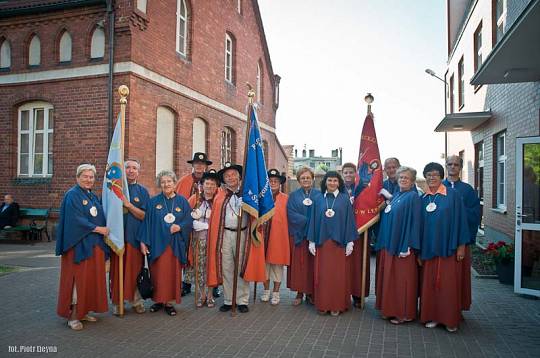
(259, 83)
(181, 27)
(265, 152)
(5, 55)
(479, 177)
(64, 49)
(34, 51)
(498, 20)
(164, 139)
(500, 177)
(461, 85)
(141, 5)
(199, 135)
(239, 6)
(97, 46)
(229, 58)
(478, 47)
(462, 157)
(452, 101)
(35, 140)
(227, 137)
(277, 79)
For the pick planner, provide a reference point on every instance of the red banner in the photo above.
(369, 178)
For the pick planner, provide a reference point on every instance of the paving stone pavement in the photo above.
(500, 324)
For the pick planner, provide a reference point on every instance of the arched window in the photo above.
(265, 152)
(35, 140)
(229, 58)
(5, 55)
(97, 45)
(199, 135)
(64, 47)
(141, 5)
(259, 83)
(182, 16)
(34, 51)
(227, 146)
(164, 139)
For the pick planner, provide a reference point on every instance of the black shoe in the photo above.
(243, 309)
(225, 308)
(215, 292)
(186, 289)
(357, 301)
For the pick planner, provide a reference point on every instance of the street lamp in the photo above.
(433, 74)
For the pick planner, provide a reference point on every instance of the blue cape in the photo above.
(155, 232)
(391, 186)
(472, 205)
(298, 215)
(75, 224)
(139, 197)
(401, 228)
(341, 227)
(445, 228)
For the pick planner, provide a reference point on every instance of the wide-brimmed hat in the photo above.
(229, 166)
(211, 174)
(200, 157)
(275, 173)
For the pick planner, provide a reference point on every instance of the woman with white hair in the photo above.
(79, 240)
(164, 237)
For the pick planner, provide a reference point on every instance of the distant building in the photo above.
(317, 163)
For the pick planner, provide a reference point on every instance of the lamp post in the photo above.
(433, 74)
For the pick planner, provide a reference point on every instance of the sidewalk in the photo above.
(500, 324)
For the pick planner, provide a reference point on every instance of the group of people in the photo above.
(188, 235)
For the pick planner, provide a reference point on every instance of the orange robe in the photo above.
(252, 269)
(278, 251)
(186, 186)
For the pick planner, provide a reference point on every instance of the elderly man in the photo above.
(188, 185)
(134, 209)
(224, 220)
(9, 212)
(390, 185)
(454, 165)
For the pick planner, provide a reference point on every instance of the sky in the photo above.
(331, 54)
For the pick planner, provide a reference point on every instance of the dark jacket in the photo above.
(9, 216)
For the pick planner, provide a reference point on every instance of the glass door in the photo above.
(527, 260)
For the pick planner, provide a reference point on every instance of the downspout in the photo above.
(110, 12)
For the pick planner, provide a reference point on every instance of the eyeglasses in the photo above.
(452, 165)
(433, 176)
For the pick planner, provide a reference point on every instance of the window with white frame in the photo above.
(97, 45)
(239, 6)
(5, 55)
(226, 146)
(181, 27)
(500, 187)
(229, 48)
(35, 140)
(141, 6)
(461, 84)
(199, 135)
(265, 152)
(499, 19)
(259, 84)
(478, 47)
(34, 51)
(64, 47)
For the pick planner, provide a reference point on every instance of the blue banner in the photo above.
(257, 197)
(115, 189)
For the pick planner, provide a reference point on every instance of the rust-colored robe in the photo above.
(278, 251)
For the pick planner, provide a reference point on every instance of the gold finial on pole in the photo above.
(251, 93)
(123, 91)
(369, 100)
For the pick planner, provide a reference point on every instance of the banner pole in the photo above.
(124, 92)
(364, 262)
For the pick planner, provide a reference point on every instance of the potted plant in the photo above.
(502, 253)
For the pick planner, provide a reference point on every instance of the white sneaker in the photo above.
(265, 297)
(275, 298)
(115, 310)
(432, 324)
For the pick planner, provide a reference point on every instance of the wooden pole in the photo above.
(195, 268)
(364, 262)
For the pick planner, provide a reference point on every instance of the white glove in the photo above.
(386, 194)
(349, 248)
(312, 248)
(199, 225)
(405, 254)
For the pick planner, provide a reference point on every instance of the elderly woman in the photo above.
(331, 233)
(300, 271)
(81, 227)
(164, 237)
(201, 205)
(445, 234)
(398, 241)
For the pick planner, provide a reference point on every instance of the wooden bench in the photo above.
(37, 223)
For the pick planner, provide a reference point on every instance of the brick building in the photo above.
(185, 62)
(493, 105)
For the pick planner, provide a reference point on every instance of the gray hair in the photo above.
(455, 157)
(165, 173)
(134, 161)
(404, 169)
(84, 167)
(392, 159)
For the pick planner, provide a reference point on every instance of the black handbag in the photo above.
(144, 284)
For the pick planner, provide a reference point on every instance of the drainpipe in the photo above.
(110, 12)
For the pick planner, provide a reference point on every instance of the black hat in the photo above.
(228, 166)
(211, 174)
(200, 157)
(275, 173)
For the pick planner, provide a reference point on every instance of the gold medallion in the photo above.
(159, 206)
(178, 209)
(85, 202)
(136, 199)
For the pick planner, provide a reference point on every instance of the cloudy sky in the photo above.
(330, 54)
